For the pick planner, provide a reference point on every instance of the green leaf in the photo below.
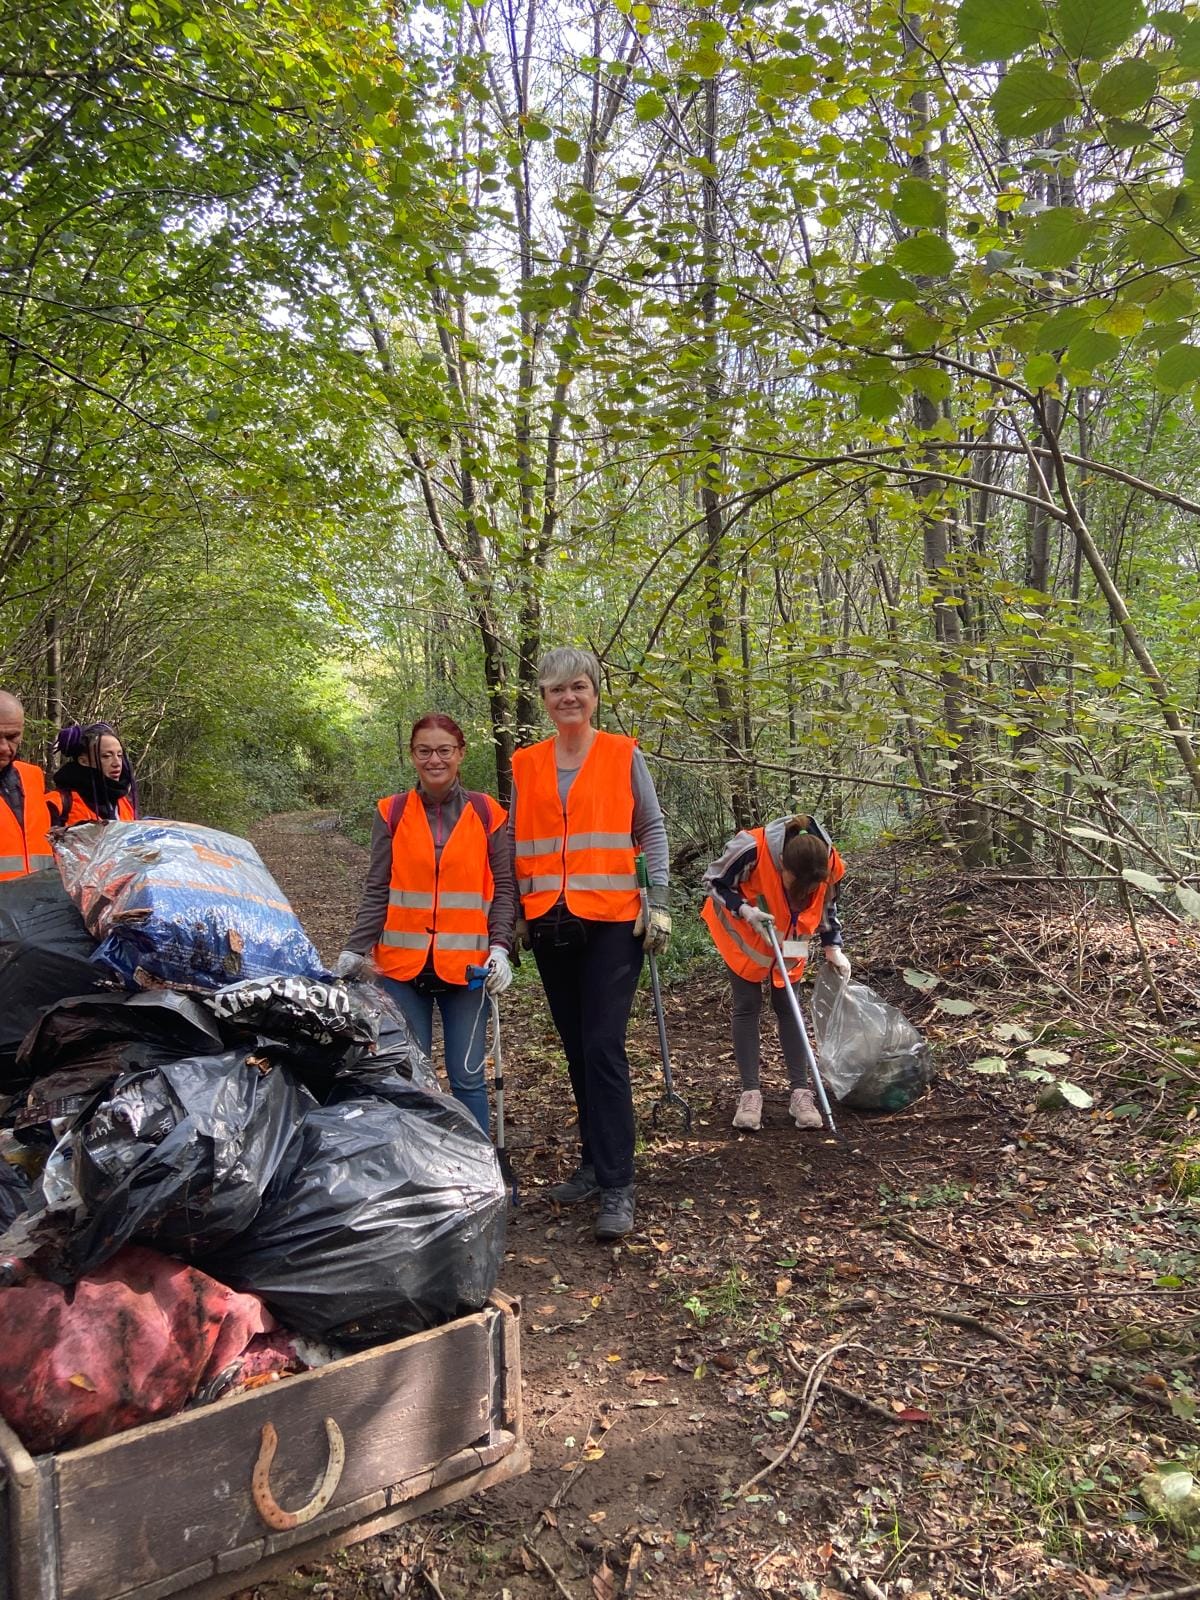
(925, 254)
(1189, 900)
(1055, 237)
(567, 150)
(1092, 833)
(339, 231)
(994, 30)
(1041, 372)
(990, 1066)
(1011, 1033)
(879, 401)
(918, 204)
(1143, 880)
(1090, 350)
(648, 106)
(1047, 1058)
(955, 1008)
(1178, 367)
(1031, 99)
(192, 31)
(916, 979)
(1124, 88)
(1075, 1096)
(1093, 29)
(885, 283)
(536, 129)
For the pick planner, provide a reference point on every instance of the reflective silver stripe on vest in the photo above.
(602, 880)
(538, 847)
(405, 941)
(454, 900)
(599, 841)
(460, 941)
(538, 885)
(412, 899)
(735, 930)
(12, 863)
(38, 863)
(795, 949)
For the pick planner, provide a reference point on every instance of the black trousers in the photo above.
(590, 973)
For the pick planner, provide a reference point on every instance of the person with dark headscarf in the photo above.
(95, 782)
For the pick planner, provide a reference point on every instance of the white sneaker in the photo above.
(802, 1109)
(749, 1111)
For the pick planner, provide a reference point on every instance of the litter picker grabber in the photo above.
(810, 1059)
(670, 1101)
(477, 976)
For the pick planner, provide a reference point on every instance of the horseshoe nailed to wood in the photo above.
(265, 1503)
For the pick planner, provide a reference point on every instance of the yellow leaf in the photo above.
(594, 1454)
(80, 1381)
(782, 1285)
(597, 1516)
(613, 1355)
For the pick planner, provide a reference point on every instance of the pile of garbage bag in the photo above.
(281, 1139)
(871, 1057)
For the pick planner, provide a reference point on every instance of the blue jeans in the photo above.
(464, 1035)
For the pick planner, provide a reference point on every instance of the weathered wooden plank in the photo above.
(222, 1584)
(29, 1556)
(507, 1329)
(148, 1503)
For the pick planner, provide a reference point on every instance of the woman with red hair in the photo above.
(439, 899)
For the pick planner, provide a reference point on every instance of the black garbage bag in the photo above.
(871, 1057)
(80, 1046)
(178, 1157)
(394, 1053)
(45, 955)
(391, 1220)
(14, 1193)
(301, 1008)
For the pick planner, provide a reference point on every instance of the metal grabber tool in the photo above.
(670, 1102)
(810, 1059)
(478, 975)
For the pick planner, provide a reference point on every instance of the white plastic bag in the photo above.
(871, 1057)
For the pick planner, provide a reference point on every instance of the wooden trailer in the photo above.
(219, 1498)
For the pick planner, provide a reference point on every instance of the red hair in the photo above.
(444, 724)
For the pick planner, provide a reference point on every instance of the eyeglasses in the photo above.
(444, 752)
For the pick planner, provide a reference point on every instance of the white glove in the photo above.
(349, 964)
(758, 918)
(499, 970)
(838, 960)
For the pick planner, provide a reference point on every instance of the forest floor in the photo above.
(998, 1309)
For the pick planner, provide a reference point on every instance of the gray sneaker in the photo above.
(615, 1217)
(581, 1185)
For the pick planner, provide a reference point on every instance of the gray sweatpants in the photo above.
(747, 1008)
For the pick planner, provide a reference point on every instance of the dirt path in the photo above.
(1015, 1301)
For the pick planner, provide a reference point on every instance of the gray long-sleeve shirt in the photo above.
(442, 815)
(649, 828)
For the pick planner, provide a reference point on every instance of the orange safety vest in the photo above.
(70, 802)
(440, 901)
(743, 950)
(24, 850)
(585, 851)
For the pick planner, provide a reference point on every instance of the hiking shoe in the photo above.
(581, 1185)
(802, 1109)
(615, 1217)
(749, 1112)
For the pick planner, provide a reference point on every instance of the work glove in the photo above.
(655, 930)
(838, 960)
(500, 973)
(350, 964)
(521, 935)
(758, 918)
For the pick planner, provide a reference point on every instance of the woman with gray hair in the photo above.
(583, 806)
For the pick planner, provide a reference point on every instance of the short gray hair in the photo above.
(565, 663)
